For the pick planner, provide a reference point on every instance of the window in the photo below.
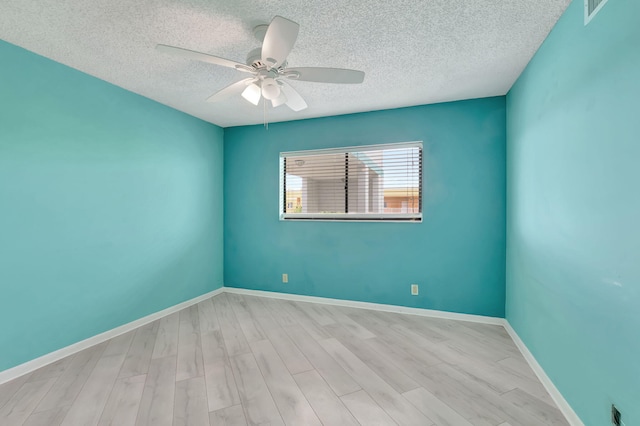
(591, 8)
(375, 182)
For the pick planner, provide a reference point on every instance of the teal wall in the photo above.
(573, 234)
(110, 206)
(456, 254)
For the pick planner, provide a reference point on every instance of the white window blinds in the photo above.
(375, 182)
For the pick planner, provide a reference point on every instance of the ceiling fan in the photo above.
(268, 68)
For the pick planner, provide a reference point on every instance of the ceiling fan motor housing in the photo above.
(254, 58)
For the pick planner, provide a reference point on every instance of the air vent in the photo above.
(591, 8)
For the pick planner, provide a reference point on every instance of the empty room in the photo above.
(320, 213)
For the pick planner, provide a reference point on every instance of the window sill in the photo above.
(395, 218)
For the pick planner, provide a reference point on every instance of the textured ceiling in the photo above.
(413, 52)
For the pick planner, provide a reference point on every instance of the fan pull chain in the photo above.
(264, 108)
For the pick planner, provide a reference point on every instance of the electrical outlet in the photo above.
(414, 289)
(616, 417)
(285, 278)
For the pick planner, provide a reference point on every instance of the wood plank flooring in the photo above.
(243, 360)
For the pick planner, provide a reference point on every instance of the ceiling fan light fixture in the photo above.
(270, 89)
(252, 93)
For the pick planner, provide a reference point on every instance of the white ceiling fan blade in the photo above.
(198, 56)
(231, 90)
(325, 75)
(280, 100)
(294, 100)
(278, 41)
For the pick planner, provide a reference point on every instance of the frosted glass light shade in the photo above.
(252, 93)
(281, 99)
(270, 89)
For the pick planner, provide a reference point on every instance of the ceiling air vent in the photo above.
(591, 8)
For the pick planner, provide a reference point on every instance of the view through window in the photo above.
(376, 182)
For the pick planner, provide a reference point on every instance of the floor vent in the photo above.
(591, 8)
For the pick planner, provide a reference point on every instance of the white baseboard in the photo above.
(557, 397)
(555, 394)
(563, 405)
(366, 305)
(29, 366)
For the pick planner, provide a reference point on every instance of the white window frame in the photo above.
(587, 17)
(351, 217)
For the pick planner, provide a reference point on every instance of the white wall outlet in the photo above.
(285, 278)
(414, 289)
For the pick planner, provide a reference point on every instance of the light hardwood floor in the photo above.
(238, 360)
